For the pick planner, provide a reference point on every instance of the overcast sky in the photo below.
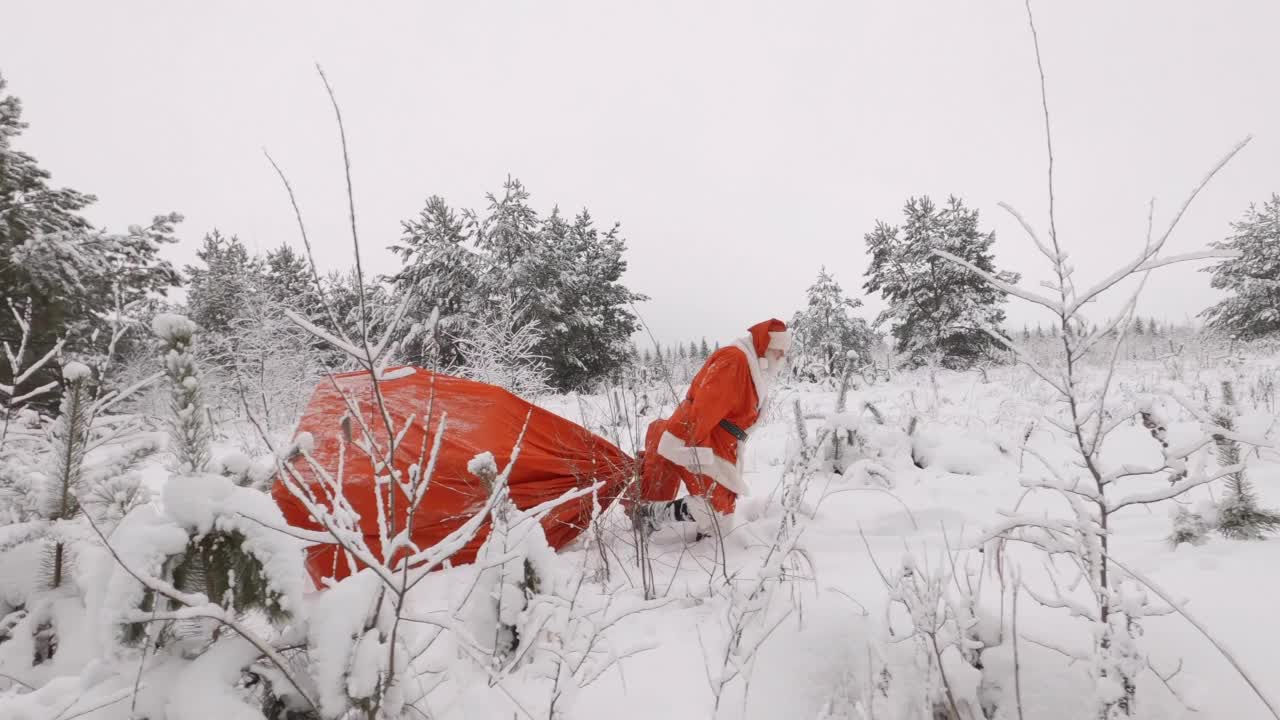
(742, 145)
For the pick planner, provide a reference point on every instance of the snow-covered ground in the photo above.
(762, 633)
(828, 655)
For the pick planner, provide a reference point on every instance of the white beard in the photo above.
(769, 375)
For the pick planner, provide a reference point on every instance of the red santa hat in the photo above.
(771, 334)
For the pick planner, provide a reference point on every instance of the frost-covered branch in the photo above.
(999, 284)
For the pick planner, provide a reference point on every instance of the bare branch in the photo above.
(1145, 260)
(1176, 489)
(999, 284)
(1180, 608)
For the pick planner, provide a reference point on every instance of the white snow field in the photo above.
(826, 659)
(760, 632)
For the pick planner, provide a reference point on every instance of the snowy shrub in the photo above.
(1239, 516)
(501, 351)
(1089, 487)
(63, 481)
(828, 340)
(189, 433)
(1193, 526)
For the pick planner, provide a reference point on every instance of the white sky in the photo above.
(741, 144)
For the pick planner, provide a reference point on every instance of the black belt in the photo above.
(734, 430)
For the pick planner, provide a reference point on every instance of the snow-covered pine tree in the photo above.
(220, 291)
(1252, 277)
(51, 255)
(1239, 516)
(231, 557)
(443, 273)
(56, 480)
(826, 331)
(935, 305)
(189, 426)
(286, 278)
(597, 316)
(565, 275)
(54, 475)
(500, 351)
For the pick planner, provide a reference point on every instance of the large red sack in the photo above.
(556, 456)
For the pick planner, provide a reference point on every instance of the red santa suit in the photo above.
(700, 445)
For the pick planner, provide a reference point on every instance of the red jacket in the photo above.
(730, 386)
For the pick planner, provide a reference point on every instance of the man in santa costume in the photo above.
(702, 444)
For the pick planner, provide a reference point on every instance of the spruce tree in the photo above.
(935, 305)
(220, 291)
(565, 275)
(1252, 277)
(443, 273)
(1239, 515)
(286, 279)
(826, 330)
(72, 273)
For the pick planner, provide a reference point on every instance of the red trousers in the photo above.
(661, 478)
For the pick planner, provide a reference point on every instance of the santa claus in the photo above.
(701, 446)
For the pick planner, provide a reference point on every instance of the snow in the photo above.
(202, 502)
(366, 665)
(816, 628)
(483, 465)
(305, 442)
(172, 327)
(76, 371)
(397, 374)
(337, 619)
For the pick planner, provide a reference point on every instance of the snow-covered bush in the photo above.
(60, 478)
(829, 341)
(1238, 514)
(1115, 602)
(501, 350)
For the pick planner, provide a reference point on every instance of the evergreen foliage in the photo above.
(565, 275)
(826, 331)
(1239, 515)
(935, 305)
(1252, 277)
(51, 255)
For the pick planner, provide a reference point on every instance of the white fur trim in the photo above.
(757, 374)
(693, 459)
(780, 340)
(702, 461)
(730, 474)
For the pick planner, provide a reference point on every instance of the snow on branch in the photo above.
(1053, 256)
(322, 334)
(999, 284)
(1146, 259)
(1175, 489)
